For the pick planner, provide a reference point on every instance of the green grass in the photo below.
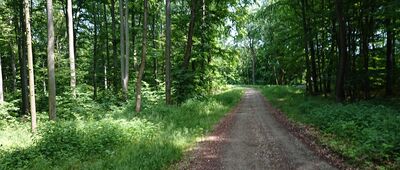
(120, 139)
(366, 133)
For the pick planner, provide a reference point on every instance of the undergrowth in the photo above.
(366, 133)
(117, 138)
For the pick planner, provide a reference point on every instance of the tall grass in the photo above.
(121, 139)
(367, 133)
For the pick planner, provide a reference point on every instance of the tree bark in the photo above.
(1, 85)
(107, 60)
(13, 69)
(253, 61)
(168, 51)
(114, 46)
(389, 58)
(127, 48)
(21, 38)
(94, 74)
(122, 50)
(306, 50)
(341, 73)
(153, 32)
(189, 43)
(313, 68)
(143, 61)
(30, 65)
(50, 60)
(71, 49)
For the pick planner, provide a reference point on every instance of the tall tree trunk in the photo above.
(389, 58)
(306, 50)
(122, 49)
(189, 43)
(153, 32)
(50, 60)
(127, 48)
(22, 59)
(13, 69)
(168, 51)
(143, 61)
(314, 67)
(341, 73)
(107, 61)
(71, 49)
(134, 32)
(114, 46)
(30, 65)
(94, 74)
(253, 62)
(1, 84)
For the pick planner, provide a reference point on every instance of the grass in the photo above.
(366, 133)
(120, 139)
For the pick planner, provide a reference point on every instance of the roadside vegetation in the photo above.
(117, 139)
(366, 133)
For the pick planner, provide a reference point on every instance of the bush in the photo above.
(8, 113)
(152, 139)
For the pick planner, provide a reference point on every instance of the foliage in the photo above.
(152, 139)
(8, 113)
(363, 132)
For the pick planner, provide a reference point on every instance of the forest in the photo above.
(135, 84)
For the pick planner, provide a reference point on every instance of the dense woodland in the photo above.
(344, 48)
(111, 50)
(144, 71)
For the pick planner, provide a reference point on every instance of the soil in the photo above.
(254, 135)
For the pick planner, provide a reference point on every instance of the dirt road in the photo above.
(253, 139)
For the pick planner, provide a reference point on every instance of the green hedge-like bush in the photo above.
(373, 130)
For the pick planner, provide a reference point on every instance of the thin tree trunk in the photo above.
(94, 74)
(341, 73)
(189, 43)
(143, 61)
(71, 49)
(127, 48)
(122, 50)
(13, 69)
(153, 32)
(253, 61)
(50, 60)
(21, 38)
(314, 67)
(30, 65)
(389, 58)
(306, 50)
(168, 51)
(134, 32)
(107, 64)
(1, 84)
(114, 46)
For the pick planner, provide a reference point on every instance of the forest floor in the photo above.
(251, 137)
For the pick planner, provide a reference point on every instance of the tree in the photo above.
(389, 58)
(21, 29)
(189, 42)
(50, 60)
(95, 36)
(1, 84)
(71, 47)
(341, 73)
(143, 61)
(123, 43)
(30, 65)
(168, 51)
(114, 46)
